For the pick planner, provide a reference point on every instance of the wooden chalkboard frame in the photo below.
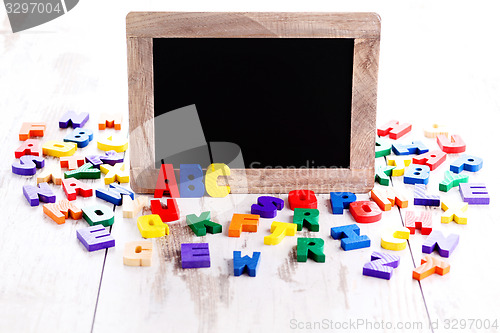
(364, 28)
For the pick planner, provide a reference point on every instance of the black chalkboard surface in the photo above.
(286, 102)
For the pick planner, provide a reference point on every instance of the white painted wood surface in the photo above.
(438, 63)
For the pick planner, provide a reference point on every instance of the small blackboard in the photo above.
(274, 98)
(287, 100)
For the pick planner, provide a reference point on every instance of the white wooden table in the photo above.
(439, 63)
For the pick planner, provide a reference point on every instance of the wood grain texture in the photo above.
(214, 300)
(246, 24)
(363, 27)
(141, 111)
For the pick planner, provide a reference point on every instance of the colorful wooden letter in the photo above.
(417, 174)
(399, 164)
(340, 201)
(250, 265)
(386, 198)
(310, 248)
(115, 173)
(279, 230)
(31, 129)
(422, 222)
(435, 130)
(36, 194)
(107, 120)
(131, 207)
(307, 217)
(73, 187)
(86, 171)
(73, 119)
(80, 136)
(151, 226)
(195, 255)
(95, 238)
(112, 142)
(27, 165)
(201, 224)
(99, 214)
(166, 183)
(382, 173)
(167, 214)
(350, 237)
(243, 222)
(475, 194)
(50, 174)
(467, 163)
(421, 198)
(29, 147)
(381, 265)
(394, 129)
(432, 159)
(60, 211)
(110, 157)
(191, 181)
(302, 199)
(138, 253)
(114, 194)
(267, 207)
(430, 265)
(71, 162)
(456, 212)
(416, 147)
(382, 148)
(58, 148)
(214, 171)
(365, 211)
(395, 239)
(437, 241)
(454, 146)
(452, 180)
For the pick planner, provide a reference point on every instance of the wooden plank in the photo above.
(262, 25)
(364, 28)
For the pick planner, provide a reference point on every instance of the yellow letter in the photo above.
(279, 231)
(115, 173)
(213, 172)
(395, 240)
(151, 226)
(59, 148)
(116, 143)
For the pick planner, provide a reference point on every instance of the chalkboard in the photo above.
(287, 100)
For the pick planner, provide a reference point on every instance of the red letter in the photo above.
(365, 211)
(169, 214)
(302, 199)
(455, 146)
(166, 183)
